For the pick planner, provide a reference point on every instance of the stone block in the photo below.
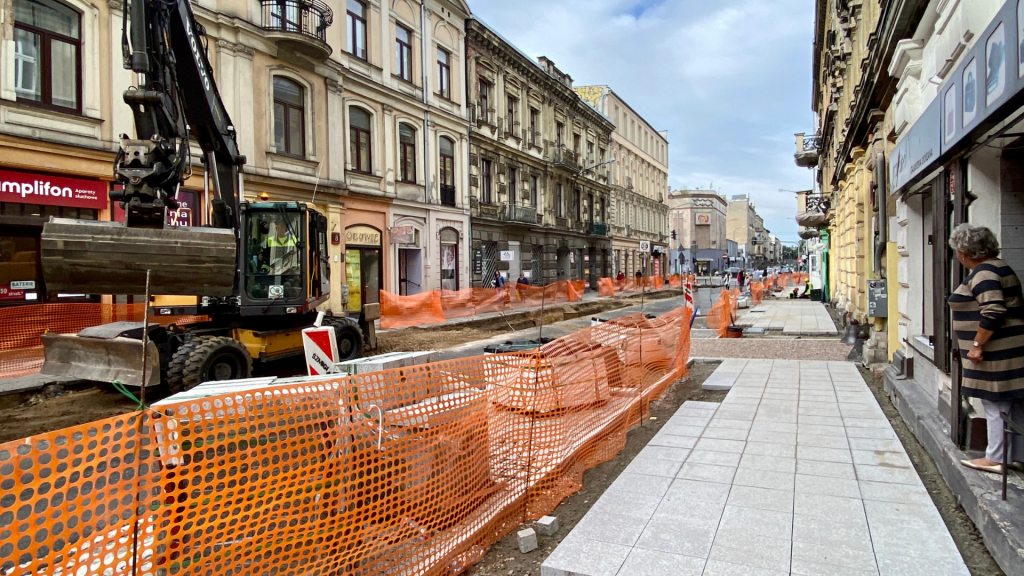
(527, 540)
(547, 525)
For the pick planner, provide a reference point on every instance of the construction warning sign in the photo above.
(321, 350)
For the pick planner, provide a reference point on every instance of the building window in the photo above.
(47, 54)
(512, 183)
(485, 181)
(449, 259)
(360, 148)
(403, 52)
(576, 205)
(447, 153)
(357, 29)
(534, 121)
(560, 201)
(289, 129)
(407, 141)
(559, 134)
(444, 74)
(512, 106)
(576, 143)
(590, 152)
(534, 190)
(485, 100)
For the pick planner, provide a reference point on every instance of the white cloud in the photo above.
(730, 80)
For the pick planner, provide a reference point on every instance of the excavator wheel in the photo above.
(176, 367)
(348, 335)
(209, 358)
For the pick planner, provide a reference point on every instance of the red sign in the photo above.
(28, 188)
(9, 294)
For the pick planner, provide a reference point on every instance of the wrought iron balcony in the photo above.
(299, 24)
(565, 158)
(599, 228)
(807, 151)
(447, 195)
(522, 214)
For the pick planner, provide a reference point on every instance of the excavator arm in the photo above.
(176, 102)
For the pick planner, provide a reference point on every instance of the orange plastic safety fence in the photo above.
(408, 471)
(721, 315)
(605, 287)
(21, 350)
(404, 311)
(756, 293)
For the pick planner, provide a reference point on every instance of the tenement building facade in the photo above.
(639, 183)
(538, 156)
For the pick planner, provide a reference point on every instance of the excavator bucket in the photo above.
(100, 359)
(84, 256)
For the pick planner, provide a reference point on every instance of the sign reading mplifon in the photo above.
(27, 188)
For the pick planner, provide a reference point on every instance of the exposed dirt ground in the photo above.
(504, 558)
(771, 348)
(965, 534)
(47, 412)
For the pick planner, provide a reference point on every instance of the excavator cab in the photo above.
(284, 263)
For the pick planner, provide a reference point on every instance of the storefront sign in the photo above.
(919, 148)
(27, 188)
(362, 236)
(402, 235)
(478, 262)
(508, 255)
(23, 285)
(703, 219)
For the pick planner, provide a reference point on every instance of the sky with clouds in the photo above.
(729, 79)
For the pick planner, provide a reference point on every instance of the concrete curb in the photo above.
(1000, 523)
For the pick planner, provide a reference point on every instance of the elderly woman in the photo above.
(988, 320)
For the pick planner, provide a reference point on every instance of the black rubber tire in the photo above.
(176, 367)
(216, 358)
(348, 336)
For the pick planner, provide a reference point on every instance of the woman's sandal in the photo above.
(996, 469)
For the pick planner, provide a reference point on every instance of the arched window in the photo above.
(407, 153)
(360, 148)
(447, 164)
(289, 117)
(47, 54)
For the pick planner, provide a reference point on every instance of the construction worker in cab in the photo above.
(282, 249)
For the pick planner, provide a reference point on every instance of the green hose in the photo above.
(120, 387)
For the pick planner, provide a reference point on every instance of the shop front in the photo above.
(363, 266)
(27, 201)
(426, 245)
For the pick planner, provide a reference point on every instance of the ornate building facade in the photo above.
(639, 183)
(539, 188)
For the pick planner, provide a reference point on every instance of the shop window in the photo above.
(444, 74)
(357, 29)
(447, 153)
(47, 54)
(449, 259)
(360, 148)
(289, 117)
(403, 52)
(362, 266)
(407, 143)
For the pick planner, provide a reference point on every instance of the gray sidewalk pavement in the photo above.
(793, 317)
(797, 471)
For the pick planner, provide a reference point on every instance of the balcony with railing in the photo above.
(565, 158)
(807, 151)
(520, 214)
(299, 25)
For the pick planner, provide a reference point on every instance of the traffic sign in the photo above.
(321, 350)
(645, 246)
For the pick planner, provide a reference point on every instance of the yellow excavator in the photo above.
(258, 273)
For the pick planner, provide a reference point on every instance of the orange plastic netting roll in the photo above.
(721, 315)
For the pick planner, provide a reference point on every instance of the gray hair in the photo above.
(975, 242)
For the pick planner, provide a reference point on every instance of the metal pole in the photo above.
(543, 295)
(141, 429)
(145, 344)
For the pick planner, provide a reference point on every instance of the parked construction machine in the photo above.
(258, 273)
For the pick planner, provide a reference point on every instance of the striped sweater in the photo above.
(991, 298)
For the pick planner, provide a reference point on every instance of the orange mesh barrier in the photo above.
(659, 282)
(21, 350)
(402, 312)
(605, 287)
(756, 293)
(720, 317)
(408, 471)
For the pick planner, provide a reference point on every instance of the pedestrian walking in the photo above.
(741, 277)
(988, 320)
